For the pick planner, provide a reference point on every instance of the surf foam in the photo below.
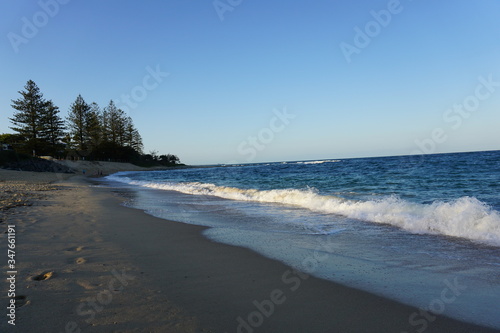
(466, 217)
(319, 162)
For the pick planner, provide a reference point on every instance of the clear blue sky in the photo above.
(228, 78)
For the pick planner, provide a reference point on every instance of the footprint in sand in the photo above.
(80, 261)
(43, 276)
(75, 249)
(77, 261)
(86, 285)
(20, 300)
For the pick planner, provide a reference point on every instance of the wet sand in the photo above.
(87, 264)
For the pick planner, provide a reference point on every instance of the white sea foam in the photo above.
(319, 162)
(465, 217)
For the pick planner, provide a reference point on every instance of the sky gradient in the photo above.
(236, 81)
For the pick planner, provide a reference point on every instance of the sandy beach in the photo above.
(85, 263)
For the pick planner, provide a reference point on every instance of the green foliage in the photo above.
(15, 161)
(108, 135)
(169, 159)
(37, 123)
(10, 138)
(10, 156)
(77, 123)
(27, 120)
(93, 126)
(53, 130)
(152, 159)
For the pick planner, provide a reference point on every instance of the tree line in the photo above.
(88, 132)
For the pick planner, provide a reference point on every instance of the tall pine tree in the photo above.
(53, 129)
(114, 126)
(133, 138)
(77, 123)
(27, 120)
(107, 134)
(93, 127)
(121, 140)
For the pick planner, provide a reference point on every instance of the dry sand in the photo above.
(87, 264)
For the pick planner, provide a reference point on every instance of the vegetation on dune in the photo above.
(12, 160)
(87, 133)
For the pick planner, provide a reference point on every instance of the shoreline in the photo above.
(148, 274)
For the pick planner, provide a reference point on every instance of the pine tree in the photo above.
(133, 138)
(77, 123)
(114, 124)
(105, 126)
(121, 128)
(53, 129)
(137, 141)
(106, 134)
(27, 120)
(93, 127)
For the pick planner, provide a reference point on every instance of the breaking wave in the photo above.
(465, 217)
(319, 162)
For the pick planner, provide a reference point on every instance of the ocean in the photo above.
(423, 230)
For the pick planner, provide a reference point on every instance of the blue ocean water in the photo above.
(404, 227)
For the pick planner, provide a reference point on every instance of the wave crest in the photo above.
(319, 162)
(466, 217)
